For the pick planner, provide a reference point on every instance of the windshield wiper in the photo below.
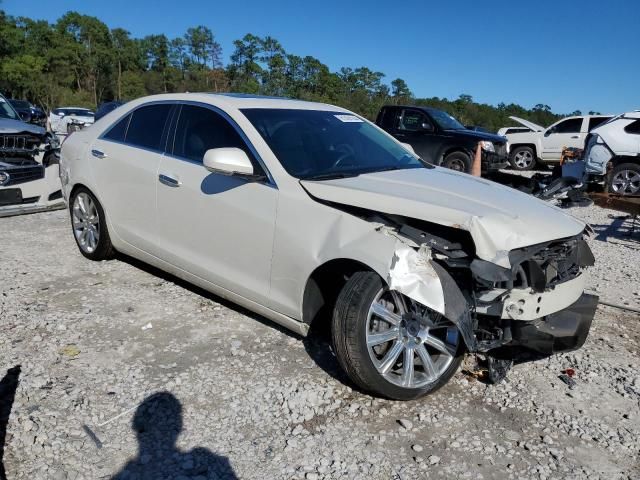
(332, 175)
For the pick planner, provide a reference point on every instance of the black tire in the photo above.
(624, 179)
(522, 158)
(349, 341)
(458, 161)
(104, 249)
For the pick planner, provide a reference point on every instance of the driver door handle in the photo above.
(576, 136)
(169, 181)
(98, 153)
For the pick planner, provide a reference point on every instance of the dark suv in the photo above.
(440, 139)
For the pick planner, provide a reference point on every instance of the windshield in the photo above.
(312, 144)
(444, 120)
(20, 103)
(6, 110)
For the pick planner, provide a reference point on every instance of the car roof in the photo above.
(73, 108)
(238, 101)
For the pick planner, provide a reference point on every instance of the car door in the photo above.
(125, 161)
(416, 129)
(215, 226)
(563, 134)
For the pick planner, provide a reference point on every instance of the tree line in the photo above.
(80, 61)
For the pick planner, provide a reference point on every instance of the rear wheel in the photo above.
(390, 345)
(625, 179)
(522, 158)
(457, 161)
(89, 226)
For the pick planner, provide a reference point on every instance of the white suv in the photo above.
(545, 145)
(307, 213)
(612, 155)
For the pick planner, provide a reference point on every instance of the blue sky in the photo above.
(568, 54)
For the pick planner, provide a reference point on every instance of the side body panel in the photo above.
(554, 142)
(218, 227)
(126, 180)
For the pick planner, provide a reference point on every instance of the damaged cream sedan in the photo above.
(308, 214)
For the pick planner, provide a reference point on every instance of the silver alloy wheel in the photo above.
(523, 159)
(626, 182)
(86, 222)
(410, 345)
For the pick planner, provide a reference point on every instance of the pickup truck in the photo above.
(545, 145)
(440, 139)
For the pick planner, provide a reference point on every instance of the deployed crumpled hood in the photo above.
(9, 126)
(498, 218)
(533, 126)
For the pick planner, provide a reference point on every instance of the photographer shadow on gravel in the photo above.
(8, 387)
(157, 423)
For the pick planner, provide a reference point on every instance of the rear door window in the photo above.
(147, 126)
(388, 120)
(200, 129)
(571, 125)
(595, 122)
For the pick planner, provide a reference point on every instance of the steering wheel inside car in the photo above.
(345, 152)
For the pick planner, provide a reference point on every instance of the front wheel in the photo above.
(390, 345)
(457, 161)
(89, 226)
(522, 158)
(625, 179)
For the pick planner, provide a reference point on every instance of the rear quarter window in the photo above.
(118, 131)
(633, 128)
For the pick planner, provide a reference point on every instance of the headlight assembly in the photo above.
(487, 146)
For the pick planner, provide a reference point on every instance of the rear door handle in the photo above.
(576, 136)
(169, 181)
(98, 153)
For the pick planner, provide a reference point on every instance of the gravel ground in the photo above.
(129, 373)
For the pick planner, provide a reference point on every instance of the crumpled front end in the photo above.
(501, 266)
(29, 172)
(536, 307)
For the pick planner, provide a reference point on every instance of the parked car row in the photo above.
(544, 145)
(610, 145)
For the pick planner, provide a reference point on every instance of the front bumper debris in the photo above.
(30, 195)
(562, 331)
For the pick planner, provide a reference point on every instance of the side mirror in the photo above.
(426, 127)
(228, 161)
(25, 116)
(61, 114)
